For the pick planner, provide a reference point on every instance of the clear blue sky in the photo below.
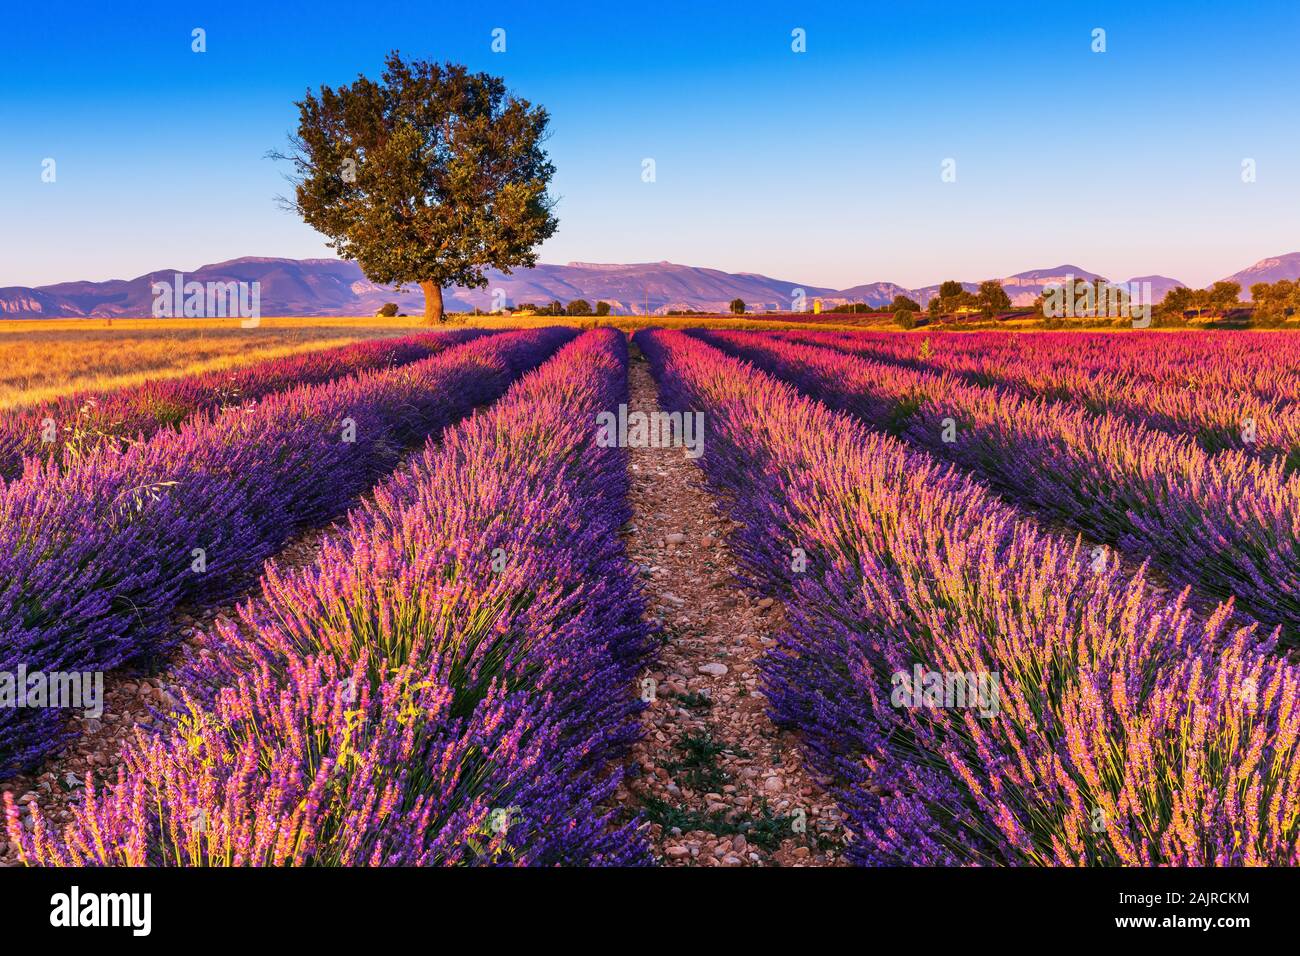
(821, 167)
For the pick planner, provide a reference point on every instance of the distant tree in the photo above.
(950, 296)
(1175, 306)
(1223, 296)
(1177, 299)
(555, 308)
(903, 303)
(992, 298)
(1288, 291)
(1276, 301)
(738, 306)
(905, 318)
(387, 310)
(1180, 302)
(526, 307)
(602, 308)
(579, 307)
(428, 176)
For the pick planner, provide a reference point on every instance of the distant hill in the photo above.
(1268, 270)
(1160, 286)
(334, 287)
(1024, 287)
(872, 293)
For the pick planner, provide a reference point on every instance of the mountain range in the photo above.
(306, 287)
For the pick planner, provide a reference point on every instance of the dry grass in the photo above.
(44, 358)
(364, 324)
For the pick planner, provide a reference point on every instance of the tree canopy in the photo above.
(1218, 298)
(951, 297)
(992, 298)
(1276, 301)
(429, 176)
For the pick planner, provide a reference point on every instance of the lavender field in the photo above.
(821, 599)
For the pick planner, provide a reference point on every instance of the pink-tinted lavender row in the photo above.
(1175, 387)
(1259, 364)
(1228, 523)
(1125, 729)
(72, 424)
(95, 559)
(450, 685)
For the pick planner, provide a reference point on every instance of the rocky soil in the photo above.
(719, 783)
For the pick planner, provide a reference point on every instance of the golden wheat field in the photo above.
(44, 358)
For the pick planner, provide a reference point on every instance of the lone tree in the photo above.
(738, 306)
(429, 176)
(1223, 296)
(992, 298)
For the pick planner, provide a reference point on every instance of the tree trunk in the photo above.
(432, 302)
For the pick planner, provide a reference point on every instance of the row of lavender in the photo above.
(1236, 398)
(1123, 729)
(1259, 364)
(95, 560)
(1227, 524)
(450, 684)
(75, 423)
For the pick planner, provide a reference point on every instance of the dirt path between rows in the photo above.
(719, 784)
